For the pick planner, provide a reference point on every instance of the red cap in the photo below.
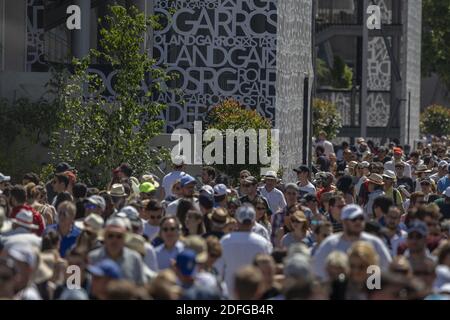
(398, 150)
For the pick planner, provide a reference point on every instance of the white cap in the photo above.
(389, 174)
(220, 189)
(130, 212)
(351, 211)
(245, 213)
(447, 192)
(98, 201)
(208, 189)
(24, 218)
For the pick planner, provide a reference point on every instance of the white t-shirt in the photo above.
(238, 250)
(275, 198)
(151, 232)
(169, 180)
(171, 209)
(336, 242)
(261, 230)
(308, 189)
(327, 145)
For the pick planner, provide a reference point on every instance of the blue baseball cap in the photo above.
(106, 268)
(186, 262)
(419, 227)
(187, 179)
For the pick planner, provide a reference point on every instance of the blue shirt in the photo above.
(68, 240)
(443, 184)
(166, 256)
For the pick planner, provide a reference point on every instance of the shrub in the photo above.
(230, 114)
(326, 117)
(435, 120)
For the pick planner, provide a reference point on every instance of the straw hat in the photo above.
(375, 179)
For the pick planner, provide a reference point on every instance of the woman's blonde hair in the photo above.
(364, 251)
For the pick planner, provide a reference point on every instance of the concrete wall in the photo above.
(410, 68)
(293, 64)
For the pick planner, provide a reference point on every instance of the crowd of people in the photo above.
(363, 222)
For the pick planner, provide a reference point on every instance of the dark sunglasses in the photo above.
(296, 221)
(360, 218)
(169, 229)
(246, 185)
(260, 208)
(155, 217)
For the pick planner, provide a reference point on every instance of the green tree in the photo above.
(96, 134)
(326, 117)
(341, 74)
(435, 120)
(230, 114)
(436, 39)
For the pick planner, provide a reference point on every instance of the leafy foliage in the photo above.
(230, 114)
(435, 120)
(96, 133)
(326, 117)
(339, 77)
(436, 36)
(25, 126)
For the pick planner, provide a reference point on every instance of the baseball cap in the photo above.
(207, 189)
(63, 167)
(419, 227)
(245, 214)
(187, 179)
(310, 197)
(106, 268)
(206, 200)
(447, 192)
(130, 212)
(4, 178)
(389, 174)
(397, 150)
(98, 201)
(220, 190)
(251, 180)
(186, 261)
(146, 187)
(302, 168)
(351, 211)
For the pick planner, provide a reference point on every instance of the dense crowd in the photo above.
(363, 222)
